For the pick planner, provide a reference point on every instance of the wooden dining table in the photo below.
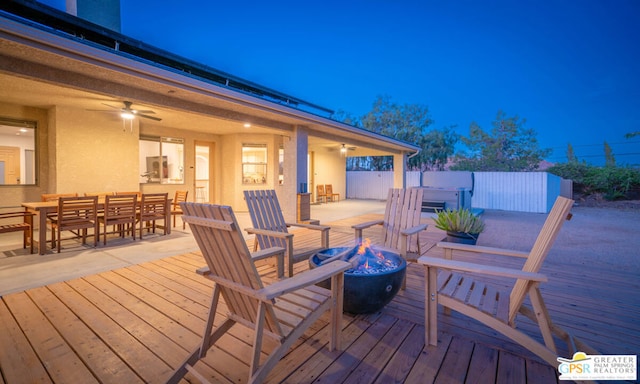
(46, 208)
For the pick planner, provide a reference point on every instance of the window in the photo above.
(254, 163)
(161, 160)
(17, 152)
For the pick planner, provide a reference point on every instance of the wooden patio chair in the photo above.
(153, 207)
(321, 195)
(74, 214)
(101, 195)
(49, 197)
(24, 225)
(282, 310)
(137, 193)
(120, 211)
(270, 228)
(401, 223)
(176, 210)
(490, 306)
(328, 190)
(55, 196)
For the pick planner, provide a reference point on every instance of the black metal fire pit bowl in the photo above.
(370, 292)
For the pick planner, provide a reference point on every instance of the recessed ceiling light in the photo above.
(247, 125)
(23, 130)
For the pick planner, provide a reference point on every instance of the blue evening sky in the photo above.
(571, 68)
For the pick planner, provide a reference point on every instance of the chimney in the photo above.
(102, 12)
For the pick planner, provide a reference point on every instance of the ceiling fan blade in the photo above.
(149, 117)
(111, 106)
(145, 111)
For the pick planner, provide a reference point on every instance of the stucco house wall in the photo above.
(330, 168)
(93, 153)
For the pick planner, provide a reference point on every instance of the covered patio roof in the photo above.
(52, 62)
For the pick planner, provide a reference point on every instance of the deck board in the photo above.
(136, 324)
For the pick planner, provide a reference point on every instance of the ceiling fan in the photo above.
(129, 113)
(344, 149)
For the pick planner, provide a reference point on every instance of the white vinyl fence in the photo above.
(509, 191)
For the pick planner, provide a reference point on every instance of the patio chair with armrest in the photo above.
(490, 306)
(270, 228)
(400, 226)
(281, 311)
(176, 210)
(49, 197)
(12, 224)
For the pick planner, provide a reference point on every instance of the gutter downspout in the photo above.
(404, 176)
(415, 154)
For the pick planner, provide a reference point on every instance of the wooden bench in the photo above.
(26, 226)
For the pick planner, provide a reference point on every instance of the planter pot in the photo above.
(462, 238)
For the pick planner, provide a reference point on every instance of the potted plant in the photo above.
(461, 225)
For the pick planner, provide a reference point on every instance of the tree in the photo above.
(509, 146)
(632, 135)
(437, 146)
(405, 122)
(609, 158)
(571, 156)
(346, 117)
(409, 123)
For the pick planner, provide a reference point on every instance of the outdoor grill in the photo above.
(374, 280)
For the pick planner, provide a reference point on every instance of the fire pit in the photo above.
(374, 280)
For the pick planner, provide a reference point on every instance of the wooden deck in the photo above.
(135, 324)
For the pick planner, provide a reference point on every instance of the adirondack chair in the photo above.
(491, 307)
(282, 310)
(270, 228)
(401, 223)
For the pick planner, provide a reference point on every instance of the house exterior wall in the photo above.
(83, 151)
(330, 168)
(93, 153)
(231, 181)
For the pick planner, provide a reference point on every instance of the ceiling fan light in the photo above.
(343, 150)
(127, 115)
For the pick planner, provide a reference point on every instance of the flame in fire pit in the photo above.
(367, 260)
